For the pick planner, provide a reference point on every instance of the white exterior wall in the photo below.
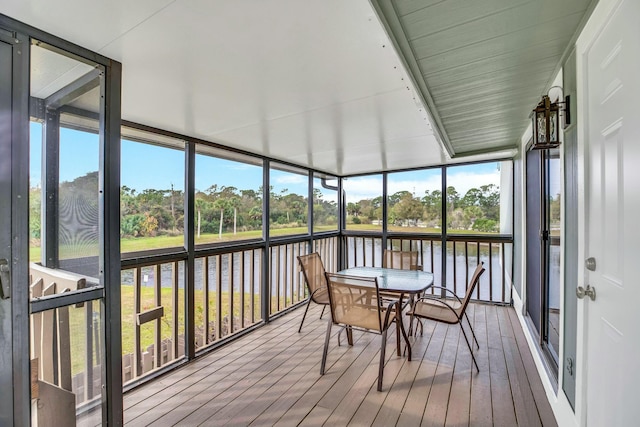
(565, 415)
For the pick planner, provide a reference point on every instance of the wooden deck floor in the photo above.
(272, 377)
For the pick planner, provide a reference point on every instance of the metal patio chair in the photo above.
(356, 304)
(314, 276)
(449, 310)
(402, 260)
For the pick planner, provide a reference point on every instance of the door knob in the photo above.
(589, 292)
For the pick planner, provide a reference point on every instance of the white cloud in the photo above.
(357, 189)
(417, 187)
(291, 179)
(463, 181)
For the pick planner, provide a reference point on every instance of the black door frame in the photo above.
(19, 35)
(539, 241)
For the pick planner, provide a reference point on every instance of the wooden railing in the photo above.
(286, 283)
(462, 255)
(327, 247)
(287, 286)
(228, 297)
(65, 348)
(228, 294)
(152, 317)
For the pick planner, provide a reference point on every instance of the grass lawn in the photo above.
(136, 244)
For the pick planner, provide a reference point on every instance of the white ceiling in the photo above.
(315, 83)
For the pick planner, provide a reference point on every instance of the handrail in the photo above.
(461, 254)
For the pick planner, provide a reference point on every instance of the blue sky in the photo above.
(146, 166)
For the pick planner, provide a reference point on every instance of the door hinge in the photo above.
(570, 366)
(8, 36)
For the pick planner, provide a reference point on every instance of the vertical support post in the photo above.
(219, 331)
(15, 68)
(490, 273)
(443, 238)
(89, 343)
(110, 242)
(285, 275)
(277, 278)
(189, 242)
(231, 285)
(252, 281)
(503, 269)
(385, 210)
(310, 212)
(466, 264)
(158, 322)
(455, 270)
(242, 255)
(342, 218)
(137, 350)
(175, 350)
(266, 203)
(205, 299)
(291, 262)
(50, 191)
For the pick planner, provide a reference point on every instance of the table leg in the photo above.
(400, 323)
(406, 339)
(412, 302)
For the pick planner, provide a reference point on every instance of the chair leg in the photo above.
(469, 345)
(322, 314)
(412, 303)
(304, 315)
(472, 333)
(326, 347)
(382, 359)
(399, 351)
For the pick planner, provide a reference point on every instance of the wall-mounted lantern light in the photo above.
(546, 123)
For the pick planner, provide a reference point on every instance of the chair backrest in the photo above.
(401, 260)
(355, 301)
(475, 279)
(313, 272)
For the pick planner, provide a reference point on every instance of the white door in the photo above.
(610, 66)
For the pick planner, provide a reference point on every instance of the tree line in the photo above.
(218, 210)
(227, 209)
(478, 209)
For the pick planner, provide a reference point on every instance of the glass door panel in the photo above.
(552, 306)
(65, 224)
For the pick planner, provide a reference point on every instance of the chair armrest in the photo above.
(448, 290)
(388, 312)
(438, 300)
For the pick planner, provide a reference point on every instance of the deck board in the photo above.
(271, 376)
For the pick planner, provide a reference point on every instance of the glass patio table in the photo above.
(403, 283)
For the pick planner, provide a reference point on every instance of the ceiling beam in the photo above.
(74, 90)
